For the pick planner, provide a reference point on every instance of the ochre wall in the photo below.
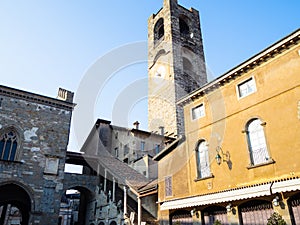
(275, 102)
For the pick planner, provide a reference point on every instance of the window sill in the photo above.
(271, 161)
(12, 162)
(204, 178)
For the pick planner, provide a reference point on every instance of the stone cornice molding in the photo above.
(36, 98)
(258, 59)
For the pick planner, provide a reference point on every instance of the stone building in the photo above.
(122, 159)
(176, 64)
(34, 134)
(226, 150)
(238, 161)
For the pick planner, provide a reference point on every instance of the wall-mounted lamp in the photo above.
(194, 212)
(221, 155)
(275, 201)
(228, 207)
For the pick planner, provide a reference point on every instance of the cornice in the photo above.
(36, 98)
(255, 61)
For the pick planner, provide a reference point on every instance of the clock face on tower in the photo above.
(160, 72)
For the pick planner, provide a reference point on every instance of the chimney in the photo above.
(162, 130)
(136, 125)
(65, 95)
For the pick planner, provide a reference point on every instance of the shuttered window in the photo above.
(203, 167)
(257, 142)
(168, 186)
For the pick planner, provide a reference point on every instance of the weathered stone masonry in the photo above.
(42, 125)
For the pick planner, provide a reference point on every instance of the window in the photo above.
(198, 112)
(157, 148)
(159, 31)
(183, 27)
(246, 88)
(257, 142)
(142, 145)
(202, 157)
(126, 149)
(168, 186)
(8, 146)
(117, 152)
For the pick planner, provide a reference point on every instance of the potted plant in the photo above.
(276, 219)
(217, 222)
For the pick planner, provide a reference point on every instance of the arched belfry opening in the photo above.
(184, 27)
(15, 205)
(159, 30)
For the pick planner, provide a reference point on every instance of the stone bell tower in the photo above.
(176, 65)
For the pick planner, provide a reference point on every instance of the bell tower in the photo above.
(176, 65)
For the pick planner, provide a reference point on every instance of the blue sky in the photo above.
(49, 44)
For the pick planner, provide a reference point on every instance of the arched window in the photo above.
(159, 30)
(257, 142)
(203, 169)
(8, 145)
(184, 28)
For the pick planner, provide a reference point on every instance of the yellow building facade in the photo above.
(238, 161)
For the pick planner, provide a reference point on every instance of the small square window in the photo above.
(246, 88)
(198, 112)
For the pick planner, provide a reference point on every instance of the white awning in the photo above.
(286, 185)
(225, 196)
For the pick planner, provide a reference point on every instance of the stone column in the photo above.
(139, 210)
(105, 177)
(114, 190)
(125, 199)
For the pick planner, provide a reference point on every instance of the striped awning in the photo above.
(225, 196)
(286, 185)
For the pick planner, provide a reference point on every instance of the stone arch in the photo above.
(213, 213)
(113, 222)
(294, 208)
(84, 200)
(15, 195)
(181, 217)
(259, 210)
